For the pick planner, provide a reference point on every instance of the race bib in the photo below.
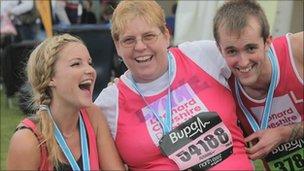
(287, 156)
(199, 143)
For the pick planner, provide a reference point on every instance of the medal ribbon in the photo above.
(66, 150)
(166, 122)
(267, 109)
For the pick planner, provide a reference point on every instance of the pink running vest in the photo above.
(287, 105)
(193, 90)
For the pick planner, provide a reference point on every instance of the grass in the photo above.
(9, 119)
(258, 165)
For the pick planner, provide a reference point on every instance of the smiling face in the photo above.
(74, 77)
(246, 53)
(146, 61)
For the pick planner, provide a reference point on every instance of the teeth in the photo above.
(143, 58)
(86, 82)
(245, 69)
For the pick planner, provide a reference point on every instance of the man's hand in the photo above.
(270, 138)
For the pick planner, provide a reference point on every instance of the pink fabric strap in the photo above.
(45, 165)
(94, 161)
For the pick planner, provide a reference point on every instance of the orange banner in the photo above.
(44, 8)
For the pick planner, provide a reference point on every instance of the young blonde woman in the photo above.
(67, 132)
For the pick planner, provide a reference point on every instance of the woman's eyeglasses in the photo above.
(147, 39)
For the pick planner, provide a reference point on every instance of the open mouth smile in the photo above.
(86, 84)
(143, 59)
(245, 70)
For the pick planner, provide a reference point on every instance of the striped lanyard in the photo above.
(166, 122)
(66, 150)
(267, 108)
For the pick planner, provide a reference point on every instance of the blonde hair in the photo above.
(125, 11)
(40, 70)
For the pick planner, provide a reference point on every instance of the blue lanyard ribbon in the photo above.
(66, 150)
(267, 109)
(166, 122)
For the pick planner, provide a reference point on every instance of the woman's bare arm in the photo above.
(23, 152)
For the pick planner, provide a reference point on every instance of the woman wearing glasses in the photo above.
(172, 109)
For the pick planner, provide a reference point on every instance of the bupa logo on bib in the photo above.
(199, 143)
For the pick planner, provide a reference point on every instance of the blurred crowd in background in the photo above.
(24, 16)
(186, 20)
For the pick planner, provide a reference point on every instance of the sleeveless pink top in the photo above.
(45, 165)
(193, 90)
